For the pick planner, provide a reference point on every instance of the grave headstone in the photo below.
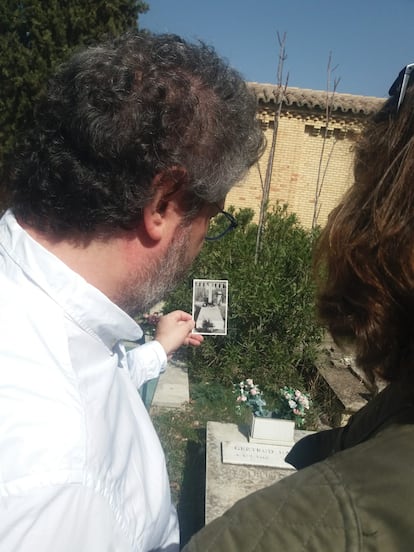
(226, 482)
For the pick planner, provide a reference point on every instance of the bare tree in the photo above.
(323, 165)
(279, 95)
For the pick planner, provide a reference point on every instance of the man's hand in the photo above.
(175, 329)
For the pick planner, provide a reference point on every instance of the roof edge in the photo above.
(316, 99)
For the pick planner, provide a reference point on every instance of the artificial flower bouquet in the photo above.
(291, 404)
(148, 323)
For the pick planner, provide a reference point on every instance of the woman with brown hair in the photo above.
(354, 488)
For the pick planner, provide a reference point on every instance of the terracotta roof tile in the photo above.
(304, 97)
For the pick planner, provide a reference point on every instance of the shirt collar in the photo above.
(81, 301)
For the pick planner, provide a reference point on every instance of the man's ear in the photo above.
(165, 210)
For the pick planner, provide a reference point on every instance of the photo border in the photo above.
(196, 309)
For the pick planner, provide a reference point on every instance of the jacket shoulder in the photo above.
(308, 510)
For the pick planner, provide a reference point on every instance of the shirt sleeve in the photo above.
(61, 519)
(146, 362)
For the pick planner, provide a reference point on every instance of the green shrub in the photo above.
(272, 334)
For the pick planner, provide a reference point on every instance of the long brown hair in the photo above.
(364, 258)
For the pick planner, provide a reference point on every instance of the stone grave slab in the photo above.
(226, 483)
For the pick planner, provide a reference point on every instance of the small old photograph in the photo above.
(210, 302)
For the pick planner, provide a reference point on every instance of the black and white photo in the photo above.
(210, 304)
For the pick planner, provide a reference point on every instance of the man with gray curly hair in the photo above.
(136, 145)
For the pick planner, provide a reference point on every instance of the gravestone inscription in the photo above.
(237, 452)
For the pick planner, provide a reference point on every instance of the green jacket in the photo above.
(359, 498)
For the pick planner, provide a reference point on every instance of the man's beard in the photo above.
(155, 281)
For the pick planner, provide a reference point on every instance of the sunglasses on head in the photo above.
(400, 85)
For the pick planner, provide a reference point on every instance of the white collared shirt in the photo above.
(81, 466)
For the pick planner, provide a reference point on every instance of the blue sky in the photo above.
(369, 41)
